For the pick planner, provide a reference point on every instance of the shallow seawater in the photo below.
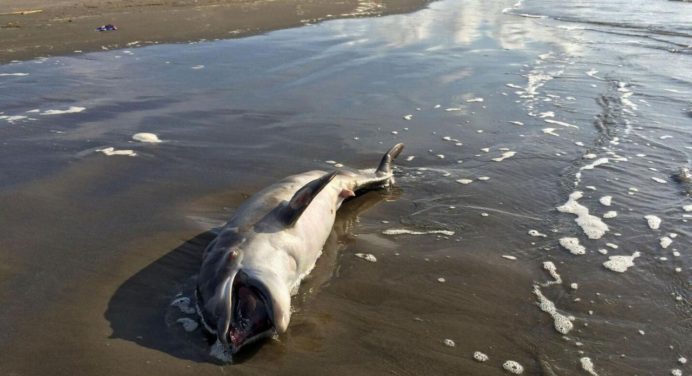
(508, 108)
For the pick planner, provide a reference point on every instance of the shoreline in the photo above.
(31, 29)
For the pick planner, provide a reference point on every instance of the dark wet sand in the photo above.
(65, 26)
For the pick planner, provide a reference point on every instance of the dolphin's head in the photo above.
(238, 304)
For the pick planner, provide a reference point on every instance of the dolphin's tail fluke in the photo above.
(385, 167)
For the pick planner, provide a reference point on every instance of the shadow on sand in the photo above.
(140, 311)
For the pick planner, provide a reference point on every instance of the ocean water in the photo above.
(543, 139)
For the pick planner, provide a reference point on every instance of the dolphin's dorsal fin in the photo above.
(302, 199)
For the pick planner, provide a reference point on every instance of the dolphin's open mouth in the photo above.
(251, 317)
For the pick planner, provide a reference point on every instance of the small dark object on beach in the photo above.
(108, 27)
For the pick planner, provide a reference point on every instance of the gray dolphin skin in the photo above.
(257, 261)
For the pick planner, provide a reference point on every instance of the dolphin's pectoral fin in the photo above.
(302, 199)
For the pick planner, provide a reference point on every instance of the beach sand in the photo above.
(33, 28)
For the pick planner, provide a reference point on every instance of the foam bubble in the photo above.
(183, 304)
(197, 67)
(606, 200)
(687, 208)
(367, 257)
(441, 280)
(508, 257)
(505, 155)
(610, 214)
(516, 122)
(71, 110)
(574, 286)
(449, 343)
(221, 352)
(620, 264)
(587, 365)
(514, 367)
(464, 181)
(658, 180)
(550, 267)
(560, 123)
(402, 231)
(665, 242)
(572, 245)
(109, 151)
(472, 100)
(682, 360)
(676, 372)
(146, 137)
(188, 324)
(480, 357)
(592, 226)
(410, 158)
(562, 323)
(483, 178)
(408, 117)
(550, 131)
(653, 221)
(535, 233)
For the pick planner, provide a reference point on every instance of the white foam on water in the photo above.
(574, 286)
(440, 156)
(474, 100)
(188, 324)
(546, 114)
(408, 117)
(579, 143)
(514, 367)
(611, 245)
(665, 137)
(665, 242)
(560, 123)
(110, 151)
(550, 267)
(449, 343)
(441, 280)
(562, 323)
(366, 256)
(587, 365)
(658, 180)
(641, 332)
(146, 137)
(535, 233)
(483, 178)
(515, 122)
(338, 165)
(676, 372)
(572, 245)
(450, 109)
(13, 118)
(485, 150)
(480, 357)
(183, 304)
(505, 155)
(395, 132)
(13, 74)
(606, 200)
(592, 226)
(591, 187)
(592, 72)
(221, 352)
(603, 251)
(610, 214)
(70, 110)
(508, 257)
(513, 86)
(484, 214)
(410, 158)
(437, 106)
(596, 163)
(550, 131)
(620, 264)
(197, 67)
(653, 221)
(464, 181)
(402, 231)
(590, 156)
(682, 360)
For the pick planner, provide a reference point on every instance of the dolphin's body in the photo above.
(257, 261)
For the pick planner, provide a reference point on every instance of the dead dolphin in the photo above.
(256, 263)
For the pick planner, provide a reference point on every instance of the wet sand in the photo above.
(33, 28)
